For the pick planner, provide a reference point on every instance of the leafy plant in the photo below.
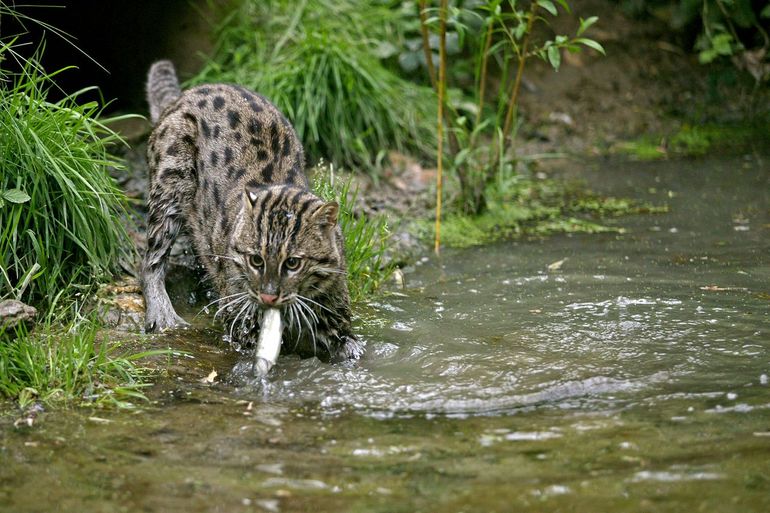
(722, 23)
(507, 32)
(722, 29)
(317, 61)
(60, 210)
(366, 239)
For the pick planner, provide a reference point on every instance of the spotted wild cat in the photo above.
(226, 164)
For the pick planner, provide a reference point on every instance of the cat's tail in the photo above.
(162, 88)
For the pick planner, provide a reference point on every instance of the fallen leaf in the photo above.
(556, 265)
(24, 421)
(210, 378)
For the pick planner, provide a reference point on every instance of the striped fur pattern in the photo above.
(226, 165)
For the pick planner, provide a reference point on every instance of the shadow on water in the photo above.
(634, 377)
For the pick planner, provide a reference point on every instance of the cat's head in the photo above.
(287, 245)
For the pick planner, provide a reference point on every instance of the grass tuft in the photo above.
(317, 61)
(68, 365)
(366, 239)
(60, 210)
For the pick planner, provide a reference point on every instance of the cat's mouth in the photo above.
(272, 300)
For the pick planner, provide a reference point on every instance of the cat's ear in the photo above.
(250, 196)
(327, 214)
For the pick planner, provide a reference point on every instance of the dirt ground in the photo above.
(649, 83)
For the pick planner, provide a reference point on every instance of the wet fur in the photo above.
(227, 165)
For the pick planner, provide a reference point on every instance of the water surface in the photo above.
(632, 378)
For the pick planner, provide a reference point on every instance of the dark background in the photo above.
(123, 37)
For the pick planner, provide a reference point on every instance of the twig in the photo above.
(483, 72)
(439, 120)
(454, 144)
(517, 82)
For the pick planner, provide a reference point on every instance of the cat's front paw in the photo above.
(157, 320)
(350, 349)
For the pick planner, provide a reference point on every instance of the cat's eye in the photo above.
(291, 263)
(256, 261)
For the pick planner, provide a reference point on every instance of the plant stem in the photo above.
(483, 72)
(454, 144)
(439, 121)
(517, 81)
(422, 7)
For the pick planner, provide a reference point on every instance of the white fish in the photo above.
(269, 343)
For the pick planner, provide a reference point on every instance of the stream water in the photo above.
(632, 378)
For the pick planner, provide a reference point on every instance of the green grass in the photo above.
(61, 233)
(69, 365)
(317, 61)
(366, 239)
(60, 211)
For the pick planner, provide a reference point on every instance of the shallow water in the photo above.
(633, 378)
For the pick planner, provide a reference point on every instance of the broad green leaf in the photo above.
(722, 44)
(548, 6)
(765, 13)
(707, 56)
(519, 31)
(554, 57)
(586, 23)
(590, 43)
(16, 196)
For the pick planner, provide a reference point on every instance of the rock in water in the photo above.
(13, 312)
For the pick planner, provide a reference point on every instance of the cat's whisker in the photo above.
(310, 324)
(218, 300)
(311, 319)
(294, 320)
(214, 255)
(319, 305)
(235, 320)
(248, 318)
(232, 305)
(309, 310)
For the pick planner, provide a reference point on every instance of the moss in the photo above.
(694, 141)
(536, 208)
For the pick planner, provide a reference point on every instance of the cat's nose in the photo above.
(268, 299)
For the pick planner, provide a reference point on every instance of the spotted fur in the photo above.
(227, 165)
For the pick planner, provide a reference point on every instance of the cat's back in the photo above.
(234, 135)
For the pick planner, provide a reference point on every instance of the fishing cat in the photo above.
(226, 165)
